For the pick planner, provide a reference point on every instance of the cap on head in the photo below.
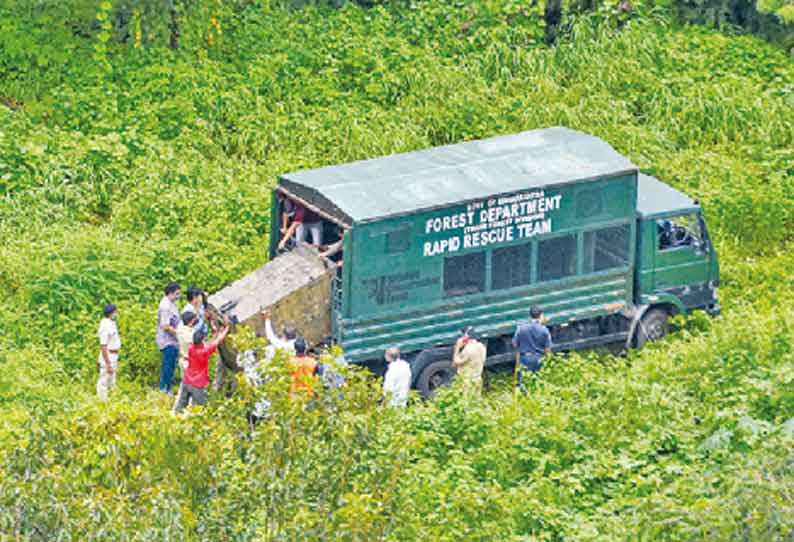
(535, 312)
(199, 336)
(109, 309)
(300, 346)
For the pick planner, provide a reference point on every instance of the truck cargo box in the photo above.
(474, 234)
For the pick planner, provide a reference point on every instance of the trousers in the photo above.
(170, 353)
(529, 364)
(315, 229)
(106, 380)
(472, 385)
(225, 367)
(188, 392)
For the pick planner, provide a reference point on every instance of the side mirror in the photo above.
(699, 246)
(705, 243)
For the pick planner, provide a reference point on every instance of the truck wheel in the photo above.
(653, 326)
(433, 376)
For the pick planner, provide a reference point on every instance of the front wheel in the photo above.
(653, 326)
(433, 376)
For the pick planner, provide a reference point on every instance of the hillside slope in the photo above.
(124, 167)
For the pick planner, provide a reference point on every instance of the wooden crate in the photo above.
(295, 286)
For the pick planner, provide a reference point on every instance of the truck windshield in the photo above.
(679, 231)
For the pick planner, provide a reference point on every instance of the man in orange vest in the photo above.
(303, 367)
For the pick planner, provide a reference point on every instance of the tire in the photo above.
(434, 375)
(653, 326)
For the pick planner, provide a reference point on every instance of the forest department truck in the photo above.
(424, 243)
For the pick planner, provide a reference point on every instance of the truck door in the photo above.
(681, 257)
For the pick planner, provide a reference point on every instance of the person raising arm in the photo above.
(284, 342)
(305, 222)
(196, 379)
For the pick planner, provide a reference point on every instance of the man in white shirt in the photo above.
(397, 380)
(184, 334)
(109, 345)
(286, 342)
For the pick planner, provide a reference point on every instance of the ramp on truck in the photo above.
(295, 286)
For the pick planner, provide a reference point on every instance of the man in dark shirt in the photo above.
(304, 222)
(227, 362)
(532, 341)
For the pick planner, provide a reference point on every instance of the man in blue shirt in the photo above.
(532, 341)
(195, 304)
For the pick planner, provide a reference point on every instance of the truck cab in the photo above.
(677, 269)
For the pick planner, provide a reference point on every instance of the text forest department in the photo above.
(492, 221)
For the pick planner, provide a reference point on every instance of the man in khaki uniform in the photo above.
(109, 345)
(469, 359)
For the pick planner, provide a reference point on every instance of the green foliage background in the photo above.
(125, 164)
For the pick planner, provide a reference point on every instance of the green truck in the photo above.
(427, 242)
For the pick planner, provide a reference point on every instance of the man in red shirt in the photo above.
(304, 222)
(196, 378)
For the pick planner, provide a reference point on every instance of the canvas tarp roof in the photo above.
(406, 183)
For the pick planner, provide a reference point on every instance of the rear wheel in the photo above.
(653, 326)
(433, 376)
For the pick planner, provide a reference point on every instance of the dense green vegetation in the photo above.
(125, 164)
(784, 9)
